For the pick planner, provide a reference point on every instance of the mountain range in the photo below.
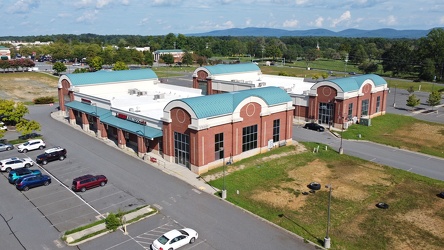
(351, 33)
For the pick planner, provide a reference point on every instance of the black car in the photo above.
(314, 126)
(52, 154)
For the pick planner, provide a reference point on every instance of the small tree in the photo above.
(168, 59)
(26, 127)
(112, 222)
(119, 65)
(187, 58)
(59, 67)
(96, 63)
(434, 98)
(413, 101)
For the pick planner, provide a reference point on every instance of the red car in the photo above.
(88, 181)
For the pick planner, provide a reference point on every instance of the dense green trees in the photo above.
(419, 58)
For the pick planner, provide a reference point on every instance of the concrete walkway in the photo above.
(153, 160)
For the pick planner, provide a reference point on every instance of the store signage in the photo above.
(133, 119)
(85, 101)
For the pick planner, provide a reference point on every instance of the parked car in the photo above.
(29, 136)
(52, 154)
(25, 183)
(14, 175)
(6, 147)
(3, 126)
(314, 126)
(174, 239)
(88, 181)
(31, 145)
(14, 163)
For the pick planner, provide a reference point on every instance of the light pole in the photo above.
(224, 191)
(327, 241)
(394, 100)
(341, 149)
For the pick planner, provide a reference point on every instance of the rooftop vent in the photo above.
(131, 109)
(262, 84)
(159, 96)
(140, 93)
(132, 91)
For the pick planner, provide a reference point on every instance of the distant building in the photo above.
(5, 53)
(177, 54)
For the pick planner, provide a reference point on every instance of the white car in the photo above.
(174, 239)
(3, 126)
(14, 163)
(31, 145)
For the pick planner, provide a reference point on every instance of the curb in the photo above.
(68, 239)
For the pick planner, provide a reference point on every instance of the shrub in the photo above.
(44, 100)
(112, 222)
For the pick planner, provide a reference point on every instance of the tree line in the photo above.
(422, 58)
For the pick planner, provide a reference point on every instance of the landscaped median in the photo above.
(110, 224)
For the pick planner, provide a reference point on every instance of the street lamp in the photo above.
(394, 100)
(224, 191)
(327, 241)
(341, 149)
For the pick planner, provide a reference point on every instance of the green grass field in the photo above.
(272, 188)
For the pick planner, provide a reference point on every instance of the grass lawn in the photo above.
(403, 132)
(271, 185)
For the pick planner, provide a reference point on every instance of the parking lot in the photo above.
(62, 207)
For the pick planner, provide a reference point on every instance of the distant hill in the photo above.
(352, 33)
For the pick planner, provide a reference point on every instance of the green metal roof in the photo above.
(88, 108)
(226, 103)
(133, 127)
(168, 51)
(232, 68)
(354, 83)
(106, 117)
(104, 76)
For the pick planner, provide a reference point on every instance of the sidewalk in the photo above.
(170, 168)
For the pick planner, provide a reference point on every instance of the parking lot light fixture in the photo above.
(327, 240)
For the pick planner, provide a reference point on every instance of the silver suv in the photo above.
(31, 145)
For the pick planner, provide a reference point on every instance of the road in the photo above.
(414, 162)
(220, 224)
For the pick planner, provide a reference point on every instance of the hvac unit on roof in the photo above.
(131, 109)
(139, 93)
(234, 80)
(137, 109)
(241, 80)
(288, 90)
(160, 96)
(262, 84)
(132, 91)
(249, 82)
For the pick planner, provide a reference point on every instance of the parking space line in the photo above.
(75, 218)
(37, 207)
(120, 191)
(69, 189)
(118, 203)
(48, 194)
(46, 215)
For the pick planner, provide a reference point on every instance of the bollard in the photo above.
(325, 148)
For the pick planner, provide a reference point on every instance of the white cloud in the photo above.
(144, 21)
(166, 2)
(125, 2)
(344, 17)
(290, 23)
(318, 22)
(102, 3)
(441, 20)
(88, 16)
(23, 6)
(248, 22)
(389, 20)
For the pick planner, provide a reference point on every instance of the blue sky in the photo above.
(160, 17)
